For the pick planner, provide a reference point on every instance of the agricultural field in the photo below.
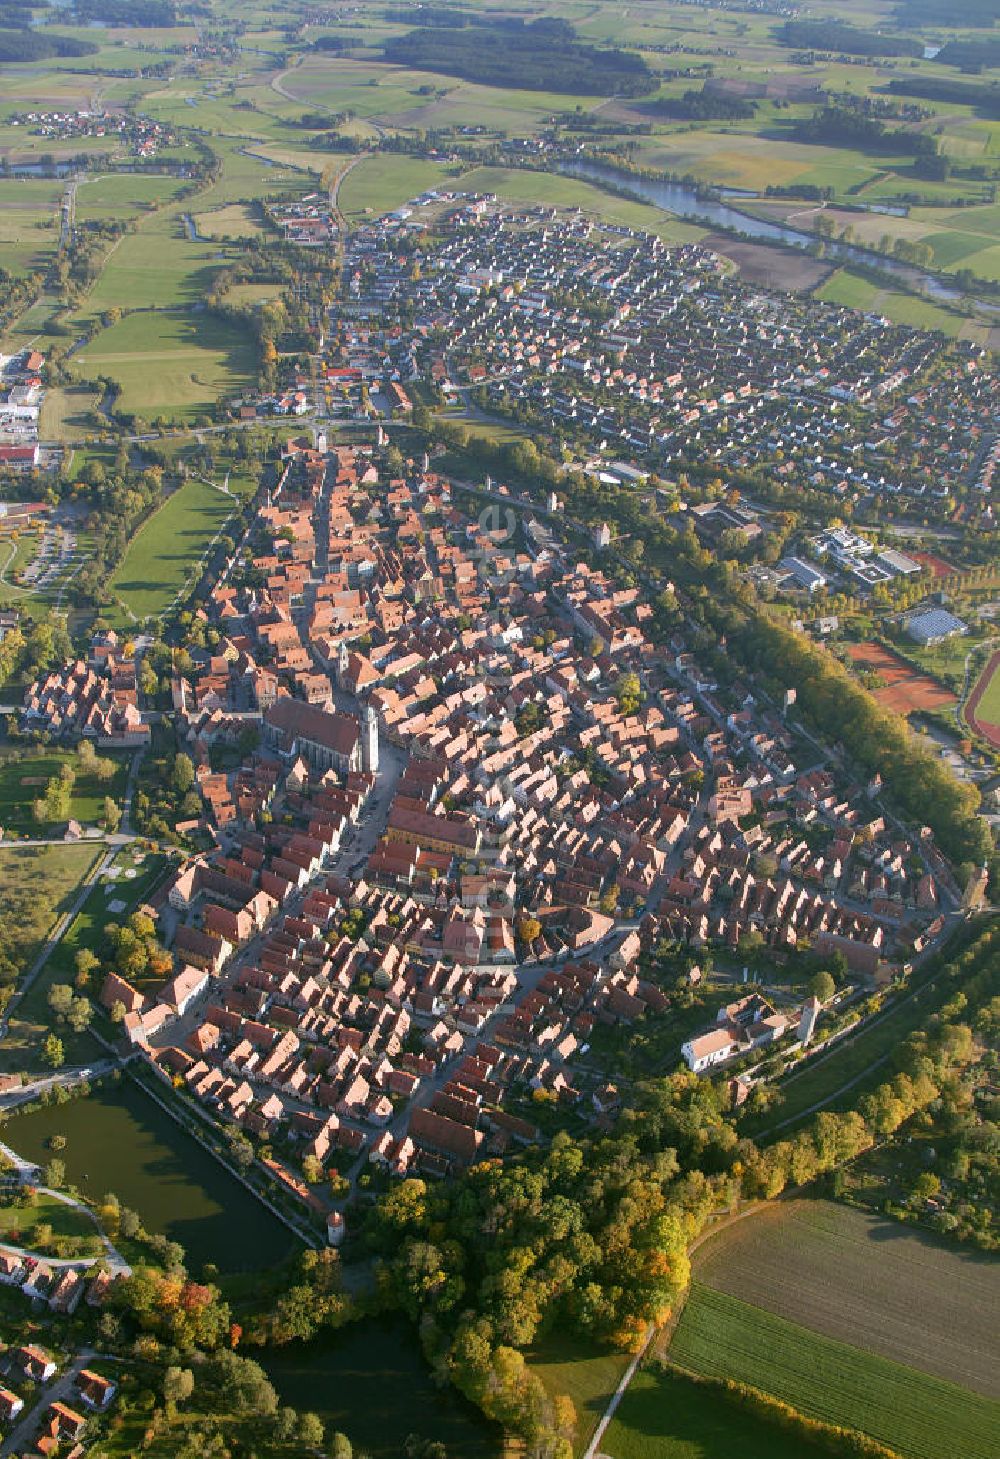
(666, 1414)
(722, 1336)
(122, 195)
(852, 1277)
(168, 549)
(854, 291)
(236, 220)
(157, 267)
(67, 413)
(904, 690)
(404, 99)
(553, 190)
(29, 223)
(377, 185)
(253, 293)
(32, 328)
(170, 363)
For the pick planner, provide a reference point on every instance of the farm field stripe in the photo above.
(721, 1336)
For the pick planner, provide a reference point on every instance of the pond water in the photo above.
(371, 1381)
(118, 1139)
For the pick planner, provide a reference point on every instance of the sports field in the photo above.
(905, 689)
(983, 708)
(857, 1278)
(166, 552)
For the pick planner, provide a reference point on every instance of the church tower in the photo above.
(369, 741)
(342, 659)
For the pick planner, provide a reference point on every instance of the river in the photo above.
(685, 202)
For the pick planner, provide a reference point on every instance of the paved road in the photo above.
(116, 838)
(67, 1077)
(592, 1451)
(59, 1389)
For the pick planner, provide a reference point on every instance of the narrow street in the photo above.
(59, 1389)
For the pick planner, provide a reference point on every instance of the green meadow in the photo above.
(170, 363)
(918, 1415)
(166, 552)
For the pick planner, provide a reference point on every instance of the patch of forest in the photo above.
(543, 55)
(842, 38)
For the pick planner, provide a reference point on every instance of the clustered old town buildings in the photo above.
(482, 783)
(484, 790)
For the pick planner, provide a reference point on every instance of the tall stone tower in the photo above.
(342, 659)
(369, 741)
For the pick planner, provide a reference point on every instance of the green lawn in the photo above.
(169, 547)
(666, 1415)
(588, 1375)
(22, 781)
(104, 905)
(173, 363)
(922, 1417)
(72, 1233)
(17, 553)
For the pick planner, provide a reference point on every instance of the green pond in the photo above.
(370, 1380)
(118, 1139)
